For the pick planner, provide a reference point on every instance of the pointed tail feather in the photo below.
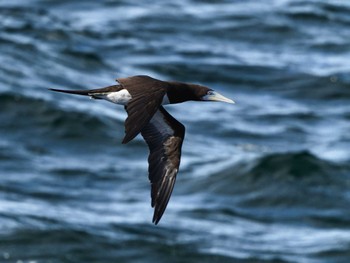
(78, 92)
(91, 92)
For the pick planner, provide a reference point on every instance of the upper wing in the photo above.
(146, 97)
(164, 136)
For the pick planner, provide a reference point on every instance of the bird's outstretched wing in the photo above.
(164, 136)
(146, 96)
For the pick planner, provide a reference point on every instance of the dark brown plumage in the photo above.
(143, 97)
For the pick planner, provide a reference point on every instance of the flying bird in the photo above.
(143, 98)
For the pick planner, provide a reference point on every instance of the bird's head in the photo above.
(212, 95)
(203, 93)
(180, 92)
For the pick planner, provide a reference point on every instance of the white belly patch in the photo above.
(119, 97)
(122, 97)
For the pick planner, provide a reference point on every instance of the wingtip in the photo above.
(156, 219)
(125, 140)
(128, 138)
(158, 214)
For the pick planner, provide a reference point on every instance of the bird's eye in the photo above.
(210, 92)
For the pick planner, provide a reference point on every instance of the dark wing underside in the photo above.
(147, 95)
(164, 136)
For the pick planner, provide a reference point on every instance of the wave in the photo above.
(297, 178)
(319, 12)
(38, 117)
(283, 187)
(308, 86)
(279, 169)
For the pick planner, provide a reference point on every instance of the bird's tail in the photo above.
(78, 92)
(94, 93)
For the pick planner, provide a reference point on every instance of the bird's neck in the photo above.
(178, 92)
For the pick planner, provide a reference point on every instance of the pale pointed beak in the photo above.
(214, 96)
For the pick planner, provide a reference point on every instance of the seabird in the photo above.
(143, 97)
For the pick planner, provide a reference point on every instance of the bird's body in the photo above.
(143, 97)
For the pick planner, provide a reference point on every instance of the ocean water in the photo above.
(264, 180)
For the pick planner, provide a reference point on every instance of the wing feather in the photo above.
(164, 136)
(146, 97)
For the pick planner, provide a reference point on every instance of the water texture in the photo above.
(264, 180)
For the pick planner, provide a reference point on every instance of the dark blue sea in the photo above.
(264, 180)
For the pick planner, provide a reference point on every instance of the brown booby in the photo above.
(143, 97)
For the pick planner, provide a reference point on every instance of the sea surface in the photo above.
(264, 180)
